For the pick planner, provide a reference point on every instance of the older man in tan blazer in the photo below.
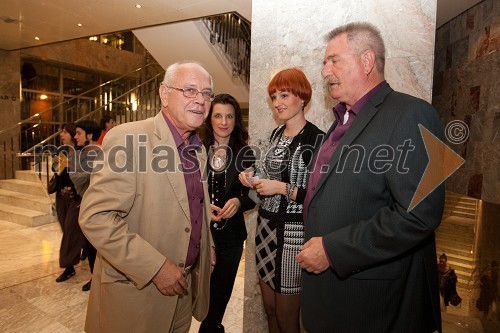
(147, 212)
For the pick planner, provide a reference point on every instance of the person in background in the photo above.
(369, 260)
(67, 205)
(447, 280)
(106, 123)
(280, 226)
(488, 296)
(226, 141)
(87, 133)
(147, 212)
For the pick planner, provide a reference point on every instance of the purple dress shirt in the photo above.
(322, 159)
(194, 188)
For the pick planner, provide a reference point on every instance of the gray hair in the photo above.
(362, 36)
(172, 70)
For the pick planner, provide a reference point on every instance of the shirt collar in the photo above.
(340, 109)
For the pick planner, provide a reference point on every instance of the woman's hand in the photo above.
(269, 187)
(215, 213)
(230, 208)
(244, 177)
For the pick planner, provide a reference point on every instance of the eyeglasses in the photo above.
(207, 94)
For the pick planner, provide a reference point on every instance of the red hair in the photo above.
(292, 80)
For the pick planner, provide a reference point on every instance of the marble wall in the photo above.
(467, 82)
(86, 54)
(292, 35)
(10, 107)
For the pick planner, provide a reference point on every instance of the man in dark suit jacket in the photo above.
(369, 262)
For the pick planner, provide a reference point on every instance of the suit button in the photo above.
(187, 230)
(181, 265)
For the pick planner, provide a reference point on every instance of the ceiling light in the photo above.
(138, 6)
(37, 38)
(79, 24)
(43, 96)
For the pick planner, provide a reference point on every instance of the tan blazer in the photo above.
(136, 214)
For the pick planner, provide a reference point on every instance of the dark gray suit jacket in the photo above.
(385, 274)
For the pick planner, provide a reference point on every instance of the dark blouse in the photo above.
(225, 186)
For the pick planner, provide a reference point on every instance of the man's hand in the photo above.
(312, 256)
(170, 279)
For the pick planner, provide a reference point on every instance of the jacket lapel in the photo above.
(176, 178)
(362, 120)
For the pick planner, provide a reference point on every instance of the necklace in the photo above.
(285, 141)
(217, 158)
(217, 225)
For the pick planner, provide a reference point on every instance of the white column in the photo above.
(292, 34)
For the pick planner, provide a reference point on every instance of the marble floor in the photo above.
(31, 300)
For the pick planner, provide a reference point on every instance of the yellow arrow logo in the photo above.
(443, 162)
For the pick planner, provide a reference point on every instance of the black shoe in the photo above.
(68, 272)
(86, 286)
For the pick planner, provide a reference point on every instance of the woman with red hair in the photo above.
(282, 187)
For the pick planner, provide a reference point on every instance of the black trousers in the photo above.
(91, 254)
(68, 208)
(228, 256)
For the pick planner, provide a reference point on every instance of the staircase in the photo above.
(456, 235)
(24, 200)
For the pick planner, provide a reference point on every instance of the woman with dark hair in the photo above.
(226, 142)
(447, 282)
(280, 225)
(67, 205)
(87, 133)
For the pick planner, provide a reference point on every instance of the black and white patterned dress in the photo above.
(280, 228)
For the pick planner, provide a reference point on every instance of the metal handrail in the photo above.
(138, 84)
(38, 115)
(224, 30)
(29, 151)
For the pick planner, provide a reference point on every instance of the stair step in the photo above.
(455, 227)
(453, 195)
(23, 216)
(466, 268)
(459, 207)
(472, 214)
(461, 201)
(457, 258)
(458, 236)
(458, 221)
(34, 202)
(469, 263)
(23, 186)
(451, 243)
(30, 175)
(450, 250)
